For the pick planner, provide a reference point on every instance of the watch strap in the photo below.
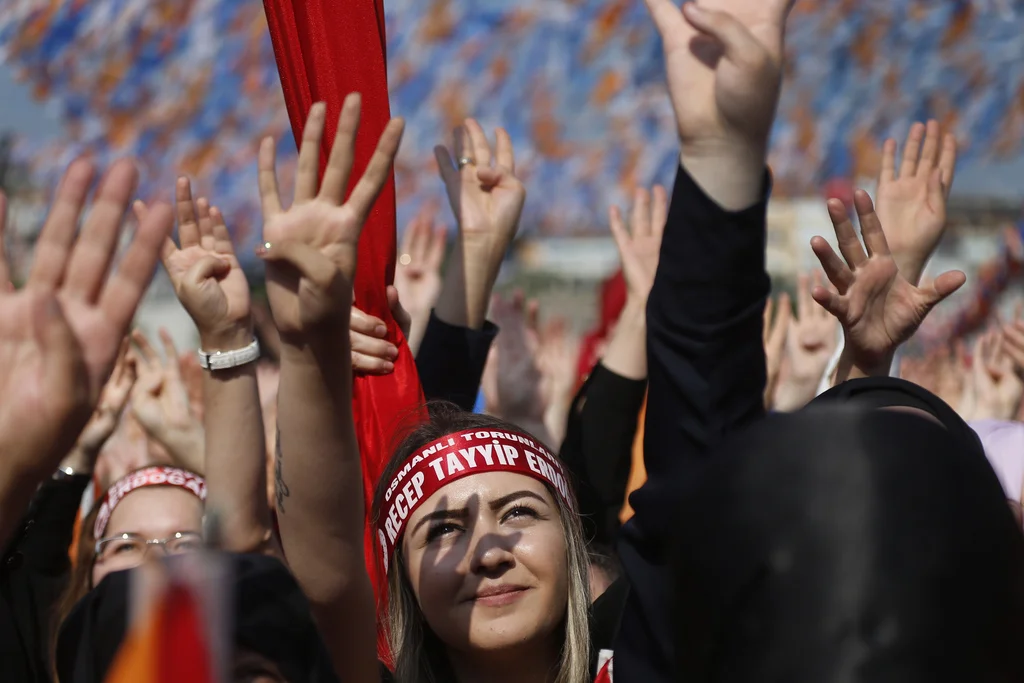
(225, 360)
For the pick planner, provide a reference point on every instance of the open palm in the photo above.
(321, 219)
(877, 307)
(60, 334)
(485, 195)
(723, 62)
(640, 246)
(911, 202)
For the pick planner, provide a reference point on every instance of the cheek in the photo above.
(435, 576)
(542, 552)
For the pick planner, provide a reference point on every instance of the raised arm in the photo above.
(705, 312)
(210, 283)
(310, 252)
(60, 334)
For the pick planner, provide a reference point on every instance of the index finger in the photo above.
(170, 349)
(504, 152)
(188, 228)
(481, 148)
(365, 193)
(146, 353)
(125, 288)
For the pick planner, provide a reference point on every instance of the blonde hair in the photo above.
(419, 655)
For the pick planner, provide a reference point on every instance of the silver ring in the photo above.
(465, 161)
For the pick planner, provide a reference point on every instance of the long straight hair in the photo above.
(419, 655)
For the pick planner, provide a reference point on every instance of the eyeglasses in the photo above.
(133, 547)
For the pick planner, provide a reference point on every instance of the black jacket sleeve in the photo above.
(598, 448)
(706, 378)
(33, 575)
(451, 361)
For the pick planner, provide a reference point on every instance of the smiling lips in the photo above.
(498, 596)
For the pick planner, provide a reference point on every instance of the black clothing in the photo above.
(33, 575)
(598, 449)
(270, 616)
(451, 360)
(848, 544)
(706, 380)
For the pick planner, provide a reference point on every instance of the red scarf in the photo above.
(326, 49)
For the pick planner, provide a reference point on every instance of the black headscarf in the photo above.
(842, 545)
(893, 392)
(271, 617)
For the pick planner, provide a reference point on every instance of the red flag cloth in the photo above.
(326, 49)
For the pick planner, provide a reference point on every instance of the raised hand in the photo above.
(485, 195)
(60, 334)
(557, 359)
(723, 61)
(911, 201)
(810, 342)
(418, 273)
(310, 248)
(640, 245)
(206, 274)
(513, 377)
(774, 338)
(998, 388)
(161, 404)
(877, 307)
(107, 415)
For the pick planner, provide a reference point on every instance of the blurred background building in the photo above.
(189, 86)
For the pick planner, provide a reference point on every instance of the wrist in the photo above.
(853, 365)
(730, 172)
(229, 338)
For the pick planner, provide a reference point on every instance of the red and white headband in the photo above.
(150, 476)
(450, 458)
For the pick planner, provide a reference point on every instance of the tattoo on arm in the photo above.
(280, 488)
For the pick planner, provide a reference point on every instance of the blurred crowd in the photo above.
(193, 83)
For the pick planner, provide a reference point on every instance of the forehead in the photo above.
(158, 508)
(480, 490)
(910, 410)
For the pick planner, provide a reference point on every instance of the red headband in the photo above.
(150, 476)
(453, 457)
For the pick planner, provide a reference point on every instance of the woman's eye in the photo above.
(440, 530)
(125, 547)
(520, 512)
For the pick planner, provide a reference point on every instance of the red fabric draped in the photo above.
(326, 49)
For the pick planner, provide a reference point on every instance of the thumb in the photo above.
(738, 43)
(206, 268)
(944, 285)
(311, 264)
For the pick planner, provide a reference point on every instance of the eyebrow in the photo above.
(461, 513)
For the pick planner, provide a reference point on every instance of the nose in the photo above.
(492, 555)
(155, 547)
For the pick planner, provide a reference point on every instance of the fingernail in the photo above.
(380, 330)
(388, 366)
(393, 352)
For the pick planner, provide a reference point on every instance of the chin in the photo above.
(504, 629)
